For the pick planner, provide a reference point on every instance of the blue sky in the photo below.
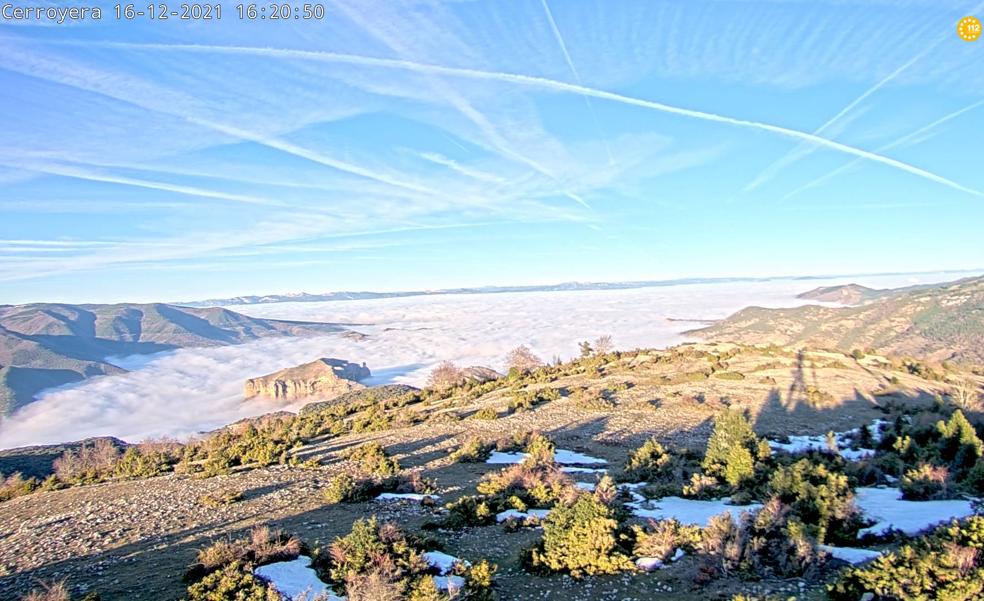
(404, 145)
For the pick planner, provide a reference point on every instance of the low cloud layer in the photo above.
(194, 390)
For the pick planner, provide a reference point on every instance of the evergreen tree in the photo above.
(731, 449)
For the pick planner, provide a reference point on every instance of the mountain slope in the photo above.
(941, 322)
(47, 344)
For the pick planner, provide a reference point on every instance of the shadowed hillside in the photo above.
(46, 345)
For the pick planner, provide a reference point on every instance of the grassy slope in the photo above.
(942, 323)
(150, 530)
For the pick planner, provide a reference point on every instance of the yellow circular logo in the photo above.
(969, 29)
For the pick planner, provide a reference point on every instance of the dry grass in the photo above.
(53, 591)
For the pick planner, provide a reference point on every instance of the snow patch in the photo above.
(445, 583)
(688, 511)
(443, 562)
(851, 554)
(561, 456)
(583, 470)
(565, 457)
(890, 511)
(648, 563)
(295, 578)
(514, 514)
(844, 440)
(393, 496)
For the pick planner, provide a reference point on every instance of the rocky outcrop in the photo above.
(480, 374)
(321, 379)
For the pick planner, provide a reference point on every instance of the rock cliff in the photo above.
(322, 379)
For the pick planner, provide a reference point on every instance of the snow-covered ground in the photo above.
(891, 512)
(843, 440)
(193, 390)
(405, 496)
(514, 514)
(442, 562)
(851, 554)
(561, 456)
(688, 511)
(295, 578)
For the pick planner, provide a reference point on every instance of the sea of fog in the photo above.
(187, 391)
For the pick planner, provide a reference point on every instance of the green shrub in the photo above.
(729, 375)
(375, 560)
(540, 450)
(479, 581)
(346, 488)
(469, 511)
(819, 497)
(372, 458)
(926, 482)
(650, 462)
(264, 545)
(526, 400)
(233, 581)
(221, 498)
(486, 414)
(593, 400)
(732, 449)
(473, 450)
(959, 444)
(581, 538)
(947, 564)
(660, 539)
(769, 543)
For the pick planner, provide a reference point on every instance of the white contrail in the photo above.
(462, 105)
(900, 142)
(541, 83)
(577, 77)
(65, 171)
(96, 83)
(298, 151)
(797, 153)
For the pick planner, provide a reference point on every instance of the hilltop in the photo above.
(942, 322)
(149, 530)
(44, 345)
(848, 294)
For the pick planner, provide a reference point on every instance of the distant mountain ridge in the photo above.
(849, 294)
(48, 344)
(938, 322)
(304, 297)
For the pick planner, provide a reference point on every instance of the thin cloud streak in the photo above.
(577, 76)
(771, 171)
(65, 171)
(461, 104)
(545, 84)
(896, 144)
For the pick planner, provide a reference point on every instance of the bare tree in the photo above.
(965, 393)
(445, 375)
(523, 360)
(603, 345)
(89, 463)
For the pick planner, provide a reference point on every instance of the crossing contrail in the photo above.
(539, 83)
(797, 153)
(901, 141)
(577, 76)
